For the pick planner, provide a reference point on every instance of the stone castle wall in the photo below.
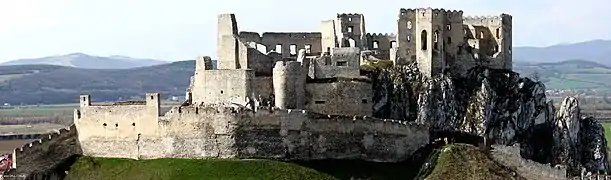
(199, 132)
(43, 154)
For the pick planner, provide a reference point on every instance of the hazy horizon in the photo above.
(184, 29)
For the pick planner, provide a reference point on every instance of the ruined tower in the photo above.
(227, 44)
(490, 38)
(347, 30)
(430, 37)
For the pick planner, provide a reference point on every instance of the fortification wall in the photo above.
(340, 98)
(213, 86)
(44, 154)
(198, 132)
(287, 41)
(344, 62)
(381, 43)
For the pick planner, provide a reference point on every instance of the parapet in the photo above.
(380, 35)
(349, 15)
(503, 19)
(450, 14)
(37, 145)
(346, 51)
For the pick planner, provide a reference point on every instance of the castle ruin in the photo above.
(295, 95)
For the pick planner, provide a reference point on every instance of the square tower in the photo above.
(350, 30)
(430, 37)
(490, 38)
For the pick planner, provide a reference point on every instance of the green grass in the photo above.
(185, 169)
(607, 127)
(91, 168)
(36, 111)
(463, 161)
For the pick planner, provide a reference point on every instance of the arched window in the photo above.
(409, 24)
(352, 42)
(423, 39)
(375, 45)
(449, 40)
(435, 39)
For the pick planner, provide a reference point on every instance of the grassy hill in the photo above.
(49, 84)
(455, 161)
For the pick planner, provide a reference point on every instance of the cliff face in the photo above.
(497, 105)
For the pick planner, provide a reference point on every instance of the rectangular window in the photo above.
(350, 28)
(293, 49)
(341, 63)
(319, 102)
(364, 101)
(308, 48)
(279, 48)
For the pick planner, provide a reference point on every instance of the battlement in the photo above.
(435, 12)
(22, 156)
(494, 20)
(380, 35)
(349, 15)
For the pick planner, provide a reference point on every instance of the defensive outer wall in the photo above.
(232, 132)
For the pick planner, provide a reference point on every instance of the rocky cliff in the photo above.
(497, 106)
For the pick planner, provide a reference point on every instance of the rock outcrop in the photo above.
(498, 106)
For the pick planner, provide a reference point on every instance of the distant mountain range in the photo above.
(80, 60)
(596, 50)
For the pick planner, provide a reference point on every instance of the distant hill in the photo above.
(596, 50)
(50, 84)
(570, 74)
(80, 60)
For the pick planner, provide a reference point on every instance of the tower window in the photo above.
(350, 28)
(393, 44)
(449, 40)
(279, 48)
(409, 24)
(423, 39)
(375, 45)
(349, 19)
(308, 48)
(341, 63)
(409, 38)
(449, 27)
(293, 49)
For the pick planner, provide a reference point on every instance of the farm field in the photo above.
(30, 129)
(8, 146)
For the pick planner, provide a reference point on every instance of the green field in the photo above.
(37, 110)
(90, 168)
(607, 127)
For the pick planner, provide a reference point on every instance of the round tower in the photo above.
(289, 85)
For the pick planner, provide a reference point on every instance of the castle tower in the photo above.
(227, 44)
(430, 37)
(85, 100)
(350, 30)
(491, 39)
(147, 126)
(289, 85)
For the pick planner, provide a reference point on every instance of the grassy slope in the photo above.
(114, 169)
(461, 161)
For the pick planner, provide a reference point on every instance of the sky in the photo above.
(184, 29)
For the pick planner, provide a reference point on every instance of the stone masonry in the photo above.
(295, 95)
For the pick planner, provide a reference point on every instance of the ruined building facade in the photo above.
(295, 95)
